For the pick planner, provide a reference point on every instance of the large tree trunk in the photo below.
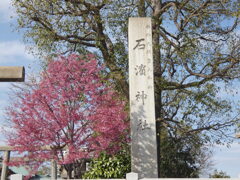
(69, 169)
(156, 4)
(157, 72)
(69, 174)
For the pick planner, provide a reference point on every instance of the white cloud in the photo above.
(12, 51)
(6, 10)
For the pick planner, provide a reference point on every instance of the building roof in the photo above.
(17, 170)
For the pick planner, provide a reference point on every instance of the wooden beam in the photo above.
(237, 135)
(10, 148)
(6, 148)
(12, 74)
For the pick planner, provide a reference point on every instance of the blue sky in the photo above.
(14, 53)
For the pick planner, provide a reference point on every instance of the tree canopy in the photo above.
(196, 46)
(71, 109)
(218, 174)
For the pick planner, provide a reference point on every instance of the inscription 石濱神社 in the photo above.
(142, 106)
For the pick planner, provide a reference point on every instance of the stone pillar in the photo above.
(131, 176)
(16, 177)
(4, 165)
(142, 103)
(53, 170)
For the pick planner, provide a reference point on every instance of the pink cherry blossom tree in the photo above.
(70, 109)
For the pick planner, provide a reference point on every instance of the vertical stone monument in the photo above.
(142, 104)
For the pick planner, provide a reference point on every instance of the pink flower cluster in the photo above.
(71, 109)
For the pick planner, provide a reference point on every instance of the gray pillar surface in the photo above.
(12, 73)
(142, 103)
(53, 170)
(16, 177)
(131, 176)
(4, 165)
